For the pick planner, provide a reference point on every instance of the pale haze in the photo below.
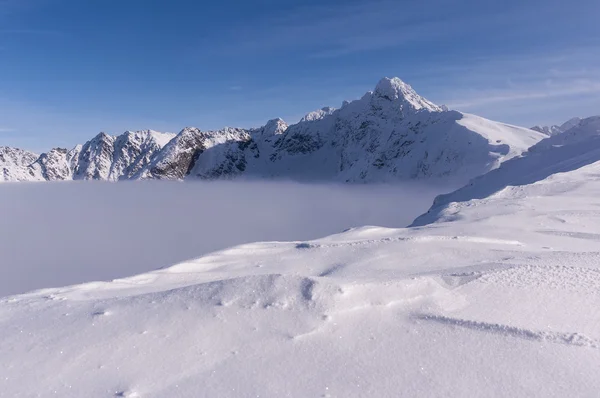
(65, 233)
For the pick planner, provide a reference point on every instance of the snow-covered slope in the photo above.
(14, 165)
(555, 129)
(104, 157)
(113, 158)
(500, 302)
(561, 153)
(57, 164)
(390, 134)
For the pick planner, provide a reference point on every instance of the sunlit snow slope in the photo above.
(498, 300)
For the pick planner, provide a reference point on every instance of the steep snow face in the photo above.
(135, 150)
(563, 153)
(95, 159)
(14, 165)
(55, 165)
(395, 89)
(104, 157)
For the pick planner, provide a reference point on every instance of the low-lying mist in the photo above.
(55, 234)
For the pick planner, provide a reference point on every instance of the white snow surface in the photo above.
(14, 164)
(495, 295)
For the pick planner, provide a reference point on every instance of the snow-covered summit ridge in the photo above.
(318, 114)
(558, 129)
(104, 157)
(395, 89)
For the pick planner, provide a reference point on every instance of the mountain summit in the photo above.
(389, 134)
(395, 89)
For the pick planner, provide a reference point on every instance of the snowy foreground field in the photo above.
(495, 293)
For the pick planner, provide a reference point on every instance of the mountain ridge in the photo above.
(389, 134)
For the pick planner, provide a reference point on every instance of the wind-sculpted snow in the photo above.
(390, 134)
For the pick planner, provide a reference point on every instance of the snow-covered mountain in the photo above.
(104, 157)
(115, 158)
(14, 165)
(390, 134)
(557, 129)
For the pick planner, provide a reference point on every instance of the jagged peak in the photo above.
(275, 126)
(189, 130)
(102, 136)
(318, 114)
(394, 89)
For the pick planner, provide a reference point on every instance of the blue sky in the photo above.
(72, 68)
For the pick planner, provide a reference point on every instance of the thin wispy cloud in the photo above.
(522, 88)
(481, 98)
(334, 30)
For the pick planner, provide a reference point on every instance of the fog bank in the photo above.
(55, 234)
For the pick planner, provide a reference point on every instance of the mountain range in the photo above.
(389, 134)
